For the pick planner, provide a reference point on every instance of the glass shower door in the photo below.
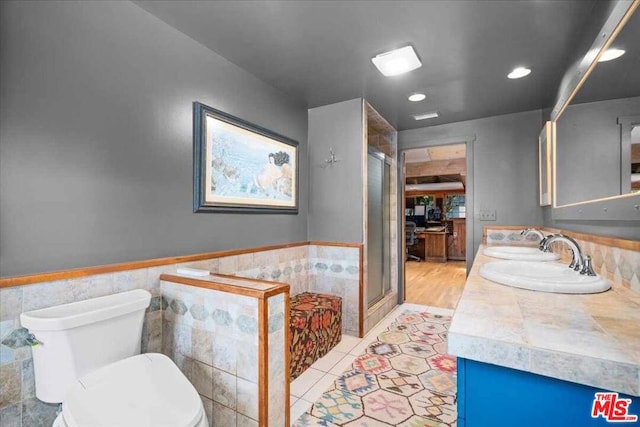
(378, 226)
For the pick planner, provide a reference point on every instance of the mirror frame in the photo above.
(624, 207)
(546, 162)
(627, 124)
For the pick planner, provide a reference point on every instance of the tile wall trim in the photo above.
(275, 289)
(28, 279)
(339, 244)
(287, 363)
(632, 245)
(263, 362)
(361, 315)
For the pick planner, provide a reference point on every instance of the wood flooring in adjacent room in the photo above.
(436, 284)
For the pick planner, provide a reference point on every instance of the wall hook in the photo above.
(331, 160)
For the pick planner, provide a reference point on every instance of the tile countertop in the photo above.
(589, 339)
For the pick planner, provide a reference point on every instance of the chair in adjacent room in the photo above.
(410, 239)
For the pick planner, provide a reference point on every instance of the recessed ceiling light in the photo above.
(397, 61)
(519, 72)
(431, 115)
(416, 97)
(610, 54)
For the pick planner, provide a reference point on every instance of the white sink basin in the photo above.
(520, 253)
(543, 276)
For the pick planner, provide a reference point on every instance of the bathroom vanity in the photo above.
(531, 358)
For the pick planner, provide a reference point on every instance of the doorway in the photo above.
(437, 195)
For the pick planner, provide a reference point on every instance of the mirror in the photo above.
(597, 134)
(634, 179)
(545, 162)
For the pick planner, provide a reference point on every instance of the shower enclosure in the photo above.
(378, 225)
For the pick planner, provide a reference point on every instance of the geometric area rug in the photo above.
(405, 378)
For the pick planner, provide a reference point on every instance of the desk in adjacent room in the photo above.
(432, 246)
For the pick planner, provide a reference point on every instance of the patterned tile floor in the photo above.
(398, 375)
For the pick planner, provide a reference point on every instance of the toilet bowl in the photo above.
(145, 390)
(87, 355)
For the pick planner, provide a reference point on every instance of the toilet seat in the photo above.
(144, 390)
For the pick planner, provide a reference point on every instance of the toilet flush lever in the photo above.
(33, 341)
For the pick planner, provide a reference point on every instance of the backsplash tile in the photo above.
(10, 384)
(47, 294)
(223, 416)
(208, 409)
(28, 380)
(92, 286)
(37, 413)
(226, 358)
(10, 303)
(17, 338)
(619, 265)
(202, 378)
(247, 398)
(224, 384)
(11, 416)
(496, 236)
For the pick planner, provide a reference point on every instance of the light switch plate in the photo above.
(487, 214)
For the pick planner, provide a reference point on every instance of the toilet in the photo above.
(86, 355)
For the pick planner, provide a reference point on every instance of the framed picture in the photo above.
(546, 162)
(241, 167)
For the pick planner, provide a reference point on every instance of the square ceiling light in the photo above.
(396, 62)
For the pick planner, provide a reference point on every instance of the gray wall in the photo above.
(505, 163)
(335, 193)
(96, 138)
(588, 149)
(612, 228)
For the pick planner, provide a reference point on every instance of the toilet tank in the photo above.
(77, 338)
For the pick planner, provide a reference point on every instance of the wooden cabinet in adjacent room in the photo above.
(436, 246)
(457, 239)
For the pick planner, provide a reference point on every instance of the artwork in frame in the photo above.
(546, 162)
(241, 167)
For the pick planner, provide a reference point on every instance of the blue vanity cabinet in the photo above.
(495, 396)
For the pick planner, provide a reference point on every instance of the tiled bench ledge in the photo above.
(229, 335)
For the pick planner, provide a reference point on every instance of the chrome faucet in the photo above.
(528, 231)
(538, 233)
(578, 262)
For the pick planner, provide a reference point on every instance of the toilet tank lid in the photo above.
(147, 390)
(72, 315)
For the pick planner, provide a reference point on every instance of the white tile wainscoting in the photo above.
(307, 266)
